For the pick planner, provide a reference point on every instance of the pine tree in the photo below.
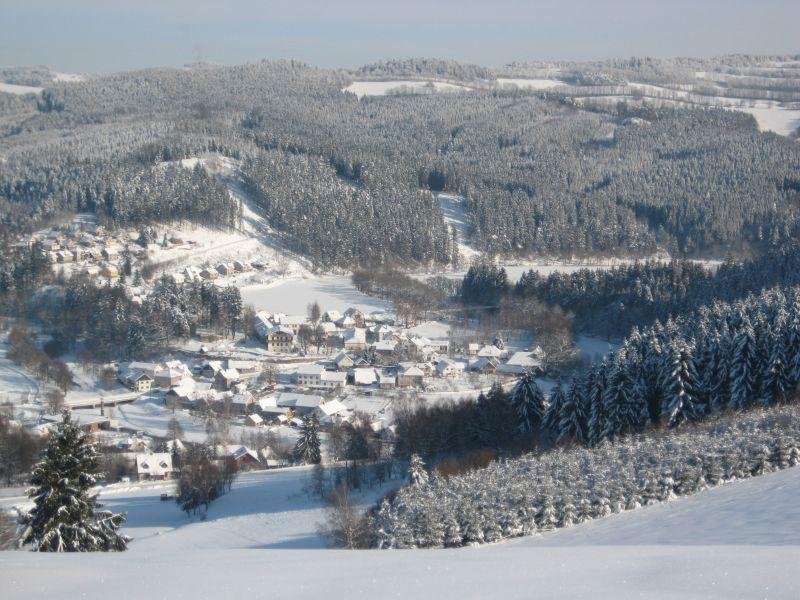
(529, 404)
(596, 386)
(65, 516)
(622, 408)
(777, 378)
(555, 407)
(307, 448)
(417, 475)
(680, 385)
(572, 423)
(744, 369)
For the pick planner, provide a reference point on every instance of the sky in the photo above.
(94, 36)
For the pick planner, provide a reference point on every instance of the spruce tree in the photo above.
(307, 448)
(529, 404)
(417, 475)
(680, 385)
(65, 516)
(555, 407)
(572, 422)
(744, 369)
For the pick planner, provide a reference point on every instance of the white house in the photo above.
(520, 362)
(319, 376)
(449, 368)
(154, 465)
(327, 411)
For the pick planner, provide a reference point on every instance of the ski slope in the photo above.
(741, 540)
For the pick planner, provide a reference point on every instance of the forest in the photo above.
(348, 180)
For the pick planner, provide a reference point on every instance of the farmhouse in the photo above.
(300, 403)
(410, 376)
(318, 376)
(343, 361)
(137, 381)
(520, 362)
(449, 368)
(355, 340)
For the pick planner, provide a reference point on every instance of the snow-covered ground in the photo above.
(531, 84)
(16, 385)
(381, 88)
(292, 296)
(736, 541)
(12, 88)
(455, 216)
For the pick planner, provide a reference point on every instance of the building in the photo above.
(386, 379)
(318, 376)
(293, 322)
(245, 458)
(154, 465)
(343, 361)
(300, 403)
(355, 340)
(225, 269)
(411, 376)
(490, 351)
(109, 271)
(484, 365)
(384, 347)
(137, 381)
(171, 374)
(365, 376)
(254, 420)
(520, 362)
(225, 379)
(280, 339)
(449, 368)
(328, 411)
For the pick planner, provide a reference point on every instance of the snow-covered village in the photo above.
(435, 300)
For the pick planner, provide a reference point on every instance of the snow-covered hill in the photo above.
(741, 540)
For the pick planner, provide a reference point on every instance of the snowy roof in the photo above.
(364, 376)
(293, 320)
(342, 356)
(413, 371)
(356, 335)
(524, 359)
(155, 464)
(310, 370)
(385, 346)
(255, 419)
(490, 351)
(292, 400)
(332, 407)
(280, 329)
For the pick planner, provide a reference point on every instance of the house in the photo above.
(364, 376)
(182, 394)
(356, 315)
(386, 379)
(355, 340)
(209, 274)
(243, 366)
(225, 269)
(241, 402)
(472, 349)
(484, 365)
(318, 376)
(490, 351)
(211, 368)
(384, 347)
(192, 274)
(331, 316)
(64, 256)
(225, 379)
(240, 266)
(154, 465)
(109, 271)
(449, 368)
(254, 420)
(137, 381)
(263, 323)
(171, 374)
(520, 362)
(293, 322)
(345, 322)
(328, 411)
(411, 376)
(300, 403)
(110, 253)
(245, 458)
(145, 367)
(280, 339)
(343, 361)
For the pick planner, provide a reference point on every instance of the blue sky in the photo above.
(112, 35)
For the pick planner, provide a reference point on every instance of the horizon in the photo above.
(89, 37)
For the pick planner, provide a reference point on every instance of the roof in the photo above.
(255, 418)
(310, 370)
(385, 345)
(357, 335)
(154, 464)
(414, 371)
(490, 351)
(292, 400)
(524, 359)
(332, 407)
(364, 376)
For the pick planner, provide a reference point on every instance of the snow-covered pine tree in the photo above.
(417, 475)
(744, 369)
(555, 407)
(528, 403)
(777, 382)
(596, 386)
(622, 402)
(679, 382)
(65, 515)
(307, 447)
(572, 422)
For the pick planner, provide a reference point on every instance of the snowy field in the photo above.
(737, 541)
(530, 84)
(381, 88)
(12, 88)
(292, 296)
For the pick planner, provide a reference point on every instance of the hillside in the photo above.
(735, 541)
